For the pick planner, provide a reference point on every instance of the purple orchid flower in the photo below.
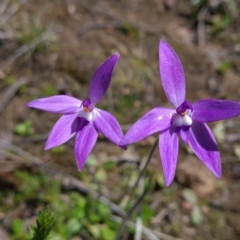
(185, 120)
(82, 117)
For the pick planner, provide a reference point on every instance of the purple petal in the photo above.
(108, 125)
(82, 122)
(210, 110)
(168, 148)
(62, 131)
(153, 121)
(203, 143)
(57, 104)
(172, 74)
(85, 141)
(184, 134)
(101, 78)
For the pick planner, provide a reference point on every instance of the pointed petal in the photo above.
(210, 110)
(57, 104)
(184, 135)
(62, 131)
(85, 141)
(204, 145)
(172, 74)
(108, 125)
(101, 78)
(168, 148)
(153, 121)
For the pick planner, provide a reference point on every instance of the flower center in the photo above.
(87, 105)
(86, 110)
(183, 117)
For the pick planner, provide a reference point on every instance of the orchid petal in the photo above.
(101, 79)
(153, 121)
(108, 125)
(82, 122)
(57, 104)
(172, 74)
(168, 148)
(184, 134)
(203, 143)
(64, 129)
(210, 110)
(84, 143)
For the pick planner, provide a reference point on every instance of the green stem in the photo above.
(130, 212)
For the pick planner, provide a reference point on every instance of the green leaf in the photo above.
(147, 213)
(94, 218)
(44, 225)
(74, 226)
(59, 150)
(160, 179)
(24, 129)
(189, 196)
(107, 233)
(95, 231)
(104, 211)
(101, 175)
(196, 216)
(17, 226)
(109, 165)
(92, 161)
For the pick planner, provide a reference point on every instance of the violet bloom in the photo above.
(82, 117)
(185, 120)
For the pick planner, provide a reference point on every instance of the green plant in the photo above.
(44, 224)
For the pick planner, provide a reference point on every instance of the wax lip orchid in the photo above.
(186, 120)
(82, 117)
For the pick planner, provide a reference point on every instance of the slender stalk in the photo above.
(143, 171)
(141, 175)
(138, 227)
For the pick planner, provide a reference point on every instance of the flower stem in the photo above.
(141, 175)
(143, 171)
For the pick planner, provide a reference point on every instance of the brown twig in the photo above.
(7, 35)
(96, 26)
(11, 12)
(66, 180)
(10, 93)
(224, 208)
(3, 6)
(25, 48)
(201, 28)
(234, 137)
(150, 234)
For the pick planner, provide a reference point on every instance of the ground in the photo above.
(53, 47)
